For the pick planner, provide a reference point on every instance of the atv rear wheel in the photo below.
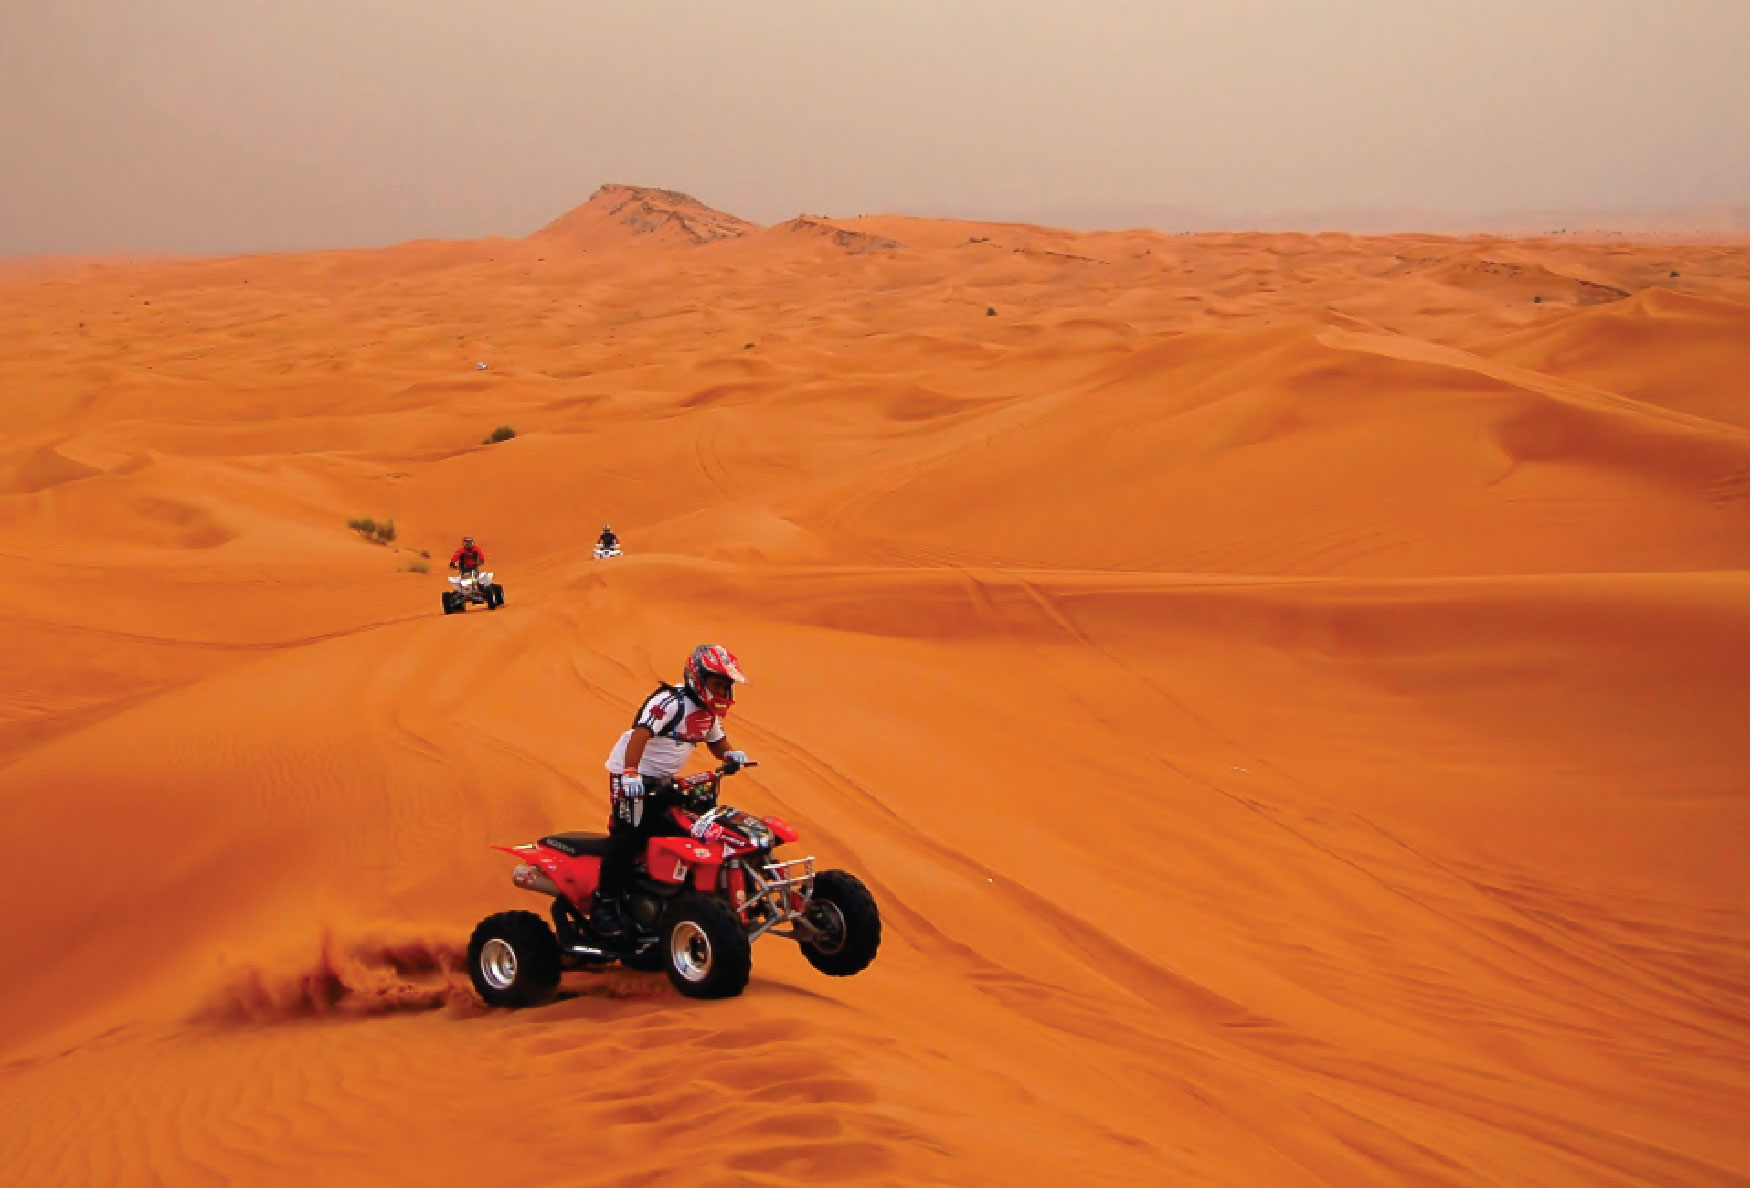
(495, 596)
(513, 960)
(849, 923)
(704, 950)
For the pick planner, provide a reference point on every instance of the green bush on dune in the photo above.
(502, 433)
(382, 532)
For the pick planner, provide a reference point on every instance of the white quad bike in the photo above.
(602, 554)
(472, 586)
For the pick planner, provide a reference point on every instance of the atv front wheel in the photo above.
(450, 604)
(849, 923)
(495, 596)
(706, 953)
(513, 960)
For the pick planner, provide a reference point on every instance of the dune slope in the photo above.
(1285, 693)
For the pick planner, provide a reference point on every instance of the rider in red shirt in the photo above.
(469, 557)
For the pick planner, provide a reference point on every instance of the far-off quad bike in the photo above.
(697, 905)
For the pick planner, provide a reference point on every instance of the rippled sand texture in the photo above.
(1288, 695)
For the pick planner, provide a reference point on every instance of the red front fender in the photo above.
(670, 858)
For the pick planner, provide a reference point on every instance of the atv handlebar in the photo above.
(701, 788)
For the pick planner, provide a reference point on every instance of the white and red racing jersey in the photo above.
(678, 724)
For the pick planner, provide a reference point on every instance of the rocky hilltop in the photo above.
(619, 214)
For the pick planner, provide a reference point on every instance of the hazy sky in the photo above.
(228, 125)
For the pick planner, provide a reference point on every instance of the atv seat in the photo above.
(578, 844)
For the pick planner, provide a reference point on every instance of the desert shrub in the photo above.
(1537, 300)
(1674, 275)
(502, 433)
(990, 311)
(418, 567)
(378, 531)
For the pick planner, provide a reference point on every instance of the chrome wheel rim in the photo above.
(825, 915)
(498, 964)
(689, 951)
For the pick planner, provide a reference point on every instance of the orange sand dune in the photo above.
(1286, 693)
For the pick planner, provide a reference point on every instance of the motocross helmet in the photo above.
(713, 660)
(468, 541)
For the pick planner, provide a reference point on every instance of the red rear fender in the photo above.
(781, 828)
(577, 877)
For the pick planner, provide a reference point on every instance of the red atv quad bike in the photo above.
(694, 908)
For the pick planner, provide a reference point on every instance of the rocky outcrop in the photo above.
(618, 214)
(839, 237)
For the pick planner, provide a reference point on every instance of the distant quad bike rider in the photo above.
(608, 540)
(468, 558)
(671, 722)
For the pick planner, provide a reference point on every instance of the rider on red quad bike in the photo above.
(671, 722)
(687, 883)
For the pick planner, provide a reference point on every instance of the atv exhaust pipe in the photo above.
(533, 878)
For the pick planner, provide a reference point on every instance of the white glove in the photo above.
(629, 804)
(736, 758)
